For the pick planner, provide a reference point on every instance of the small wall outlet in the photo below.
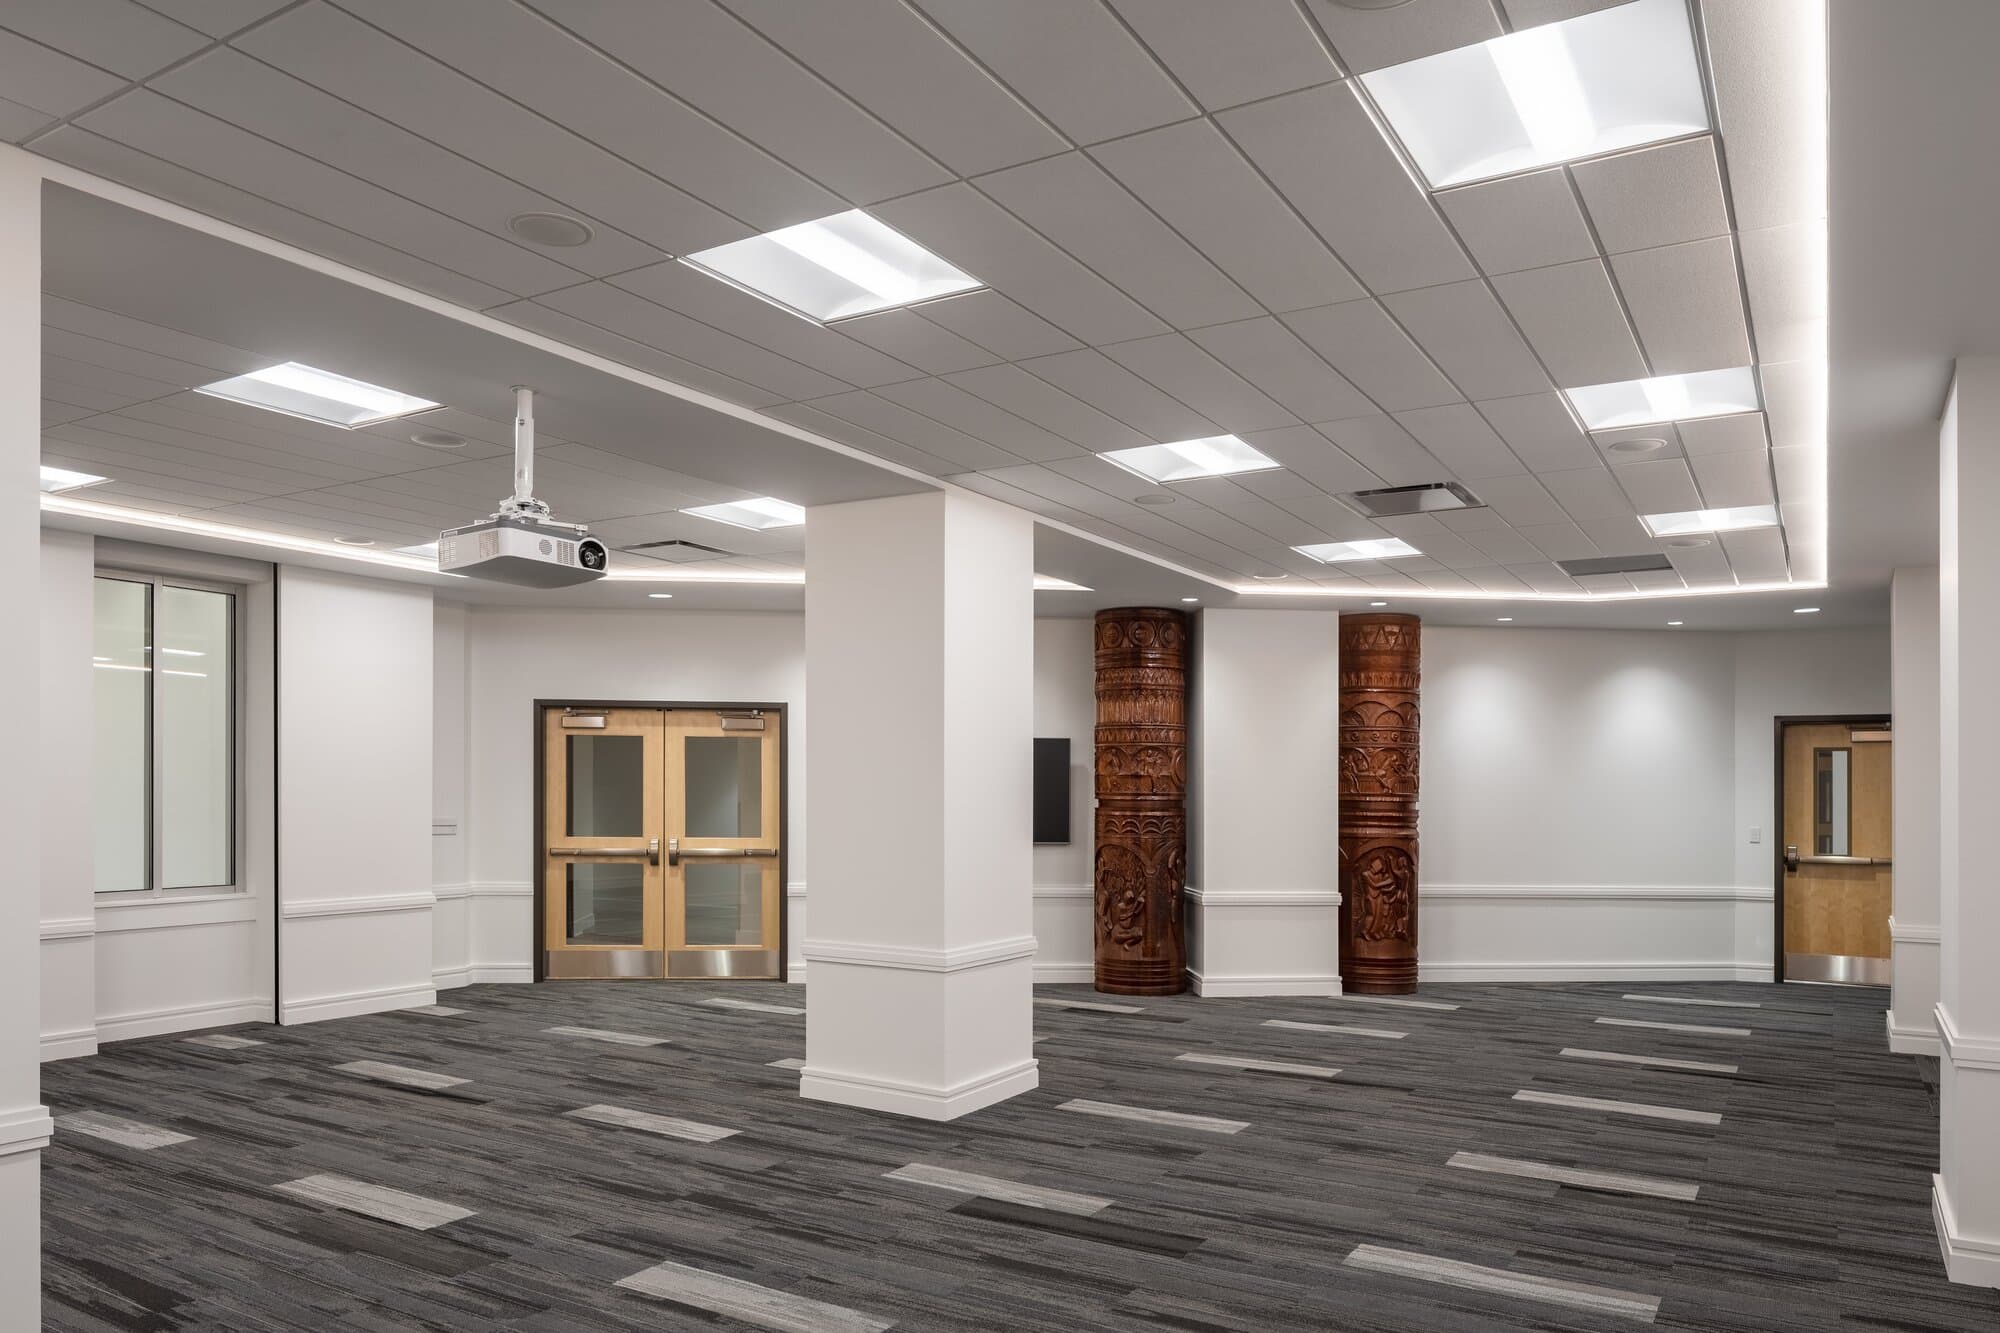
(1756, 833)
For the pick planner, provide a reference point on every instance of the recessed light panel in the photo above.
(1614, 79)
(834, 268)
(56, 479)
(1712, 520)
(317, 395)
(1373, 548)
(763, 512)
(1705, 393)
(1185, 460)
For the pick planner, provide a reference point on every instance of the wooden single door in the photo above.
(603, 817)
(1837, 857)
(724, 820)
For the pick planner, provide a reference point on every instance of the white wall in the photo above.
(1066, 705)
(69, 926)
(355, 752)
(451, 921)
(1913, 927)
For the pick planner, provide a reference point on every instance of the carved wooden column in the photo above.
(1141, 800)
(1380, 657)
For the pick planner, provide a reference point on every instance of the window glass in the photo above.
(121, 661)
(196, 737)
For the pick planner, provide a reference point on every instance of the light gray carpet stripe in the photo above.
(221, 1041)
(672, 1127)
(1618, 1108)
(435, 1010)
(117, 1129)
(1207, 1124)
(401, 1075)
(1007, 1191)
(723, 1002)
(1259, 1066)
(1504, 1282)
(1333, 1027)
(1094, 1006)
(789, 1062)
(1403, 1001)
(1676, 1027)
(1649, 1061)
(748, 1302)
(1689, 999)
(605, 1035)
(376, 1201)
(1610, 1181)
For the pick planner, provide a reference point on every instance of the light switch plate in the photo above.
(1756, 833)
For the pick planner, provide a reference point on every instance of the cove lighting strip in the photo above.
(1523, 595)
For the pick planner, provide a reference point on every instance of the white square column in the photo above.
(1966, 1196)
(24, 1121)
(1913, 920)
(919, 765)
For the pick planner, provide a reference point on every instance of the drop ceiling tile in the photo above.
(1572, 318)
(1471, 520)
(868, 441)
(1654, 196)
(1036, 400)
(1179, 367)
(1801, 475)
(1784, 270)
(217, 18)
(825, 348)
(1372, 37)
(1757, 556)
(973, 232)
(80, 394)
(1283, 487)
(116, 35)
(1464, 330)
(1096, 379)
(1073, 203)
(919, 432)
(1660, 578)
(1492, 578)
(887, 58)
(1458, 437)
(578, 87)
(1272, 522)
(132, 360)
(1195, 179)
(1534, 13)
(1620, 536)
(1436, 541)
(57, 413)
(629, 352)
(1660, 486)
(1361, 342)
(1795, 403)
(1587, 494)
(975, 416)
(1320, 149)
(1561, 541)
(107, 379)
(1270, 356)
(999, 325)
(1445, 580)
(1076, 64)
(1724, 435)
(1517, 222)
(155, 176)
(909, 338)
(18, 122)
(1332, 519)
(138, 335)
(1702, 567)
(99, 447)
(1662, 438)
(1230, 54)
(1523, 501)
(271, 104)
(1542, 576)
(1687, 304)
(344, 56)
(1310, 455)
(1731, 480)
(1381, 445)
(1540, 431)
(1777, 158)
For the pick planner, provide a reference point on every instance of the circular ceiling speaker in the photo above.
(1687, 543)
(1270, 578)
(556, 229)
(1645, 446)
(438, 439)
(1154, 501)
(355, 541)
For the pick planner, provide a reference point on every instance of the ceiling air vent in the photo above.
(677, 551)
(1614, 564)
(1395, 501)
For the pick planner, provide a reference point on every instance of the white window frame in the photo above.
(155, 833)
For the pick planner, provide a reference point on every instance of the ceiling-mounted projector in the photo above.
(521, 544)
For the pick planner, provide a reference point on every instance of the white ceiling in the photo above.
(1186, 218)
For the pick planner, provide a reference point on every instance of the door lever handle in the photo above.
(1791, 858)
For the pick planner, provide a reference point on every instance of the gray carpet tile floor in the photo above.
(1411, 1190)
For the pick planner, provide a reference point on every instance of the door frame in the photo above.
(1778, 725)
(535, 856)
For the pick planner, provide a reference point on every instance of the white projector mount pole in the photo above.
(523, 502)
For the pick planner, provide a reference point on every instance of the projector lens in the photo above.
(590, 553)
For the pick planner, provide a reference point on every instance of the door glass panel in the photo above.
(725, 786)
(196, 739)
(1832, 790)
(607, 903)
(607, 786)
(121, 652)
(725, 903)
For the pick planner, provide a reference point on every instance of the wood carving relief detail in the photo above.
(1380, 727)
(1141, 767)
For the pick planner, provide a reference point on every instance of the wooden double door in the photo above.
(1836, 863)
(661, 848)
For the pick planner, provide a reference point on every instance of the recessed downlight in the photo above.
(1646, 445)
(1378, 603)
(438, 439)
(1503, 620)
(554, 229)
(1687, 543)
(661, 596)
(1269, 577)
(1805, 610)
(1672, 623)
(355, 541)
(1190, 599)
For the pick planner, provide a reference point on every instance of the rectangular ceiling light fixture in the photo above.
(55, 479)
(1705, 521)
(1613, 79)
(757, 515)
(1705, 393)
(1372, 548)
(834, 268)
(1428, 497)
(317, 395)
(1185, 460)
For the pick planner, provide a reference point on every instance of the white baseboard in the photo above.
(25, 1129)
(1968, 1259)
(1065, 974)
(69, 1045)
(915, 1099)
(182, 1018)
(1911, 1040)
(480, 974)
(322, 1007)
(1528, 970)
(1244, 988)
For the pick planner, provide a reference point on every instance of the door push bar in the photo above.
(651, 851)
(675, 851)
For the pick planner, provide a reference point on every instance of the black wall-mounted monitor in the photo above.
(1051, 789)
